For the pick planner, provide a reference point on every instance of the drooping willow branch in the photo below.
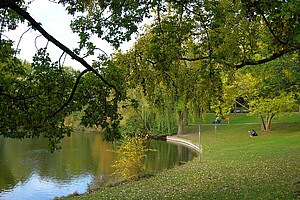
(38, 27)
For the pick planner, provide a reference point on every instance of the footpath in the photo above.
(183, 141)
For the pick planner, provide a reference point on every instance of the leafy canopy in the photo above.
(209, 37)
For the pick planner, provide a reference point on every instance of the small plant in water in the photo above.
(130, 153)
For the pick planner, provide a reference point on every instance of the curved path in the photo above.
(185, 142)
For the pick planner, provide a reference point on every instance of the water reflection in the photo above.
(29, 171)
(37, 187)
(167, 155)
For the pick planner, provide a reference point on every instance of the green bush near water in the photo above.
(232, 166)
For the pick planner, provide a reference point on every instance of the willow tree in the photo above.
(166, 83)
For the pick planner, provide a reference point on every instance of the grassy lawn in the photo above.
(232, 166)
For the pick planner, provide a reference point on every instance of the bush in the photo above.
(131, 153)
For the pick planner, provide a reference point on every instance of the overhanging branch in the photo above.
(248, 62)
(37, 26)
(8, 3)
(265, 60)
(72, 93)
(195, 59)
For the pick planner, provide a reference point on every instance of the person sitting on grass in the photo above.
(216, 121)
(252, 133)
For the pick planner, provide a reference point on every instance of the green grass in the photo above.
(234, 119)
(232, 166)
(244, 118)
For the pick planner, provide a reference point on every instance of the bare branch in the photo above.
(21, 39)
(35, 42)
(59, 62)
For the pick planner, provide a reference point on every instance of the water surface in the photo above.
(29, 171)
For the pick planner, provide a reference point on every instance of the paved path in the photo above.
(185, 142)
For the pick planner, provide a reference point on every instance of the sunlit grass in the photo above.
(232, 166)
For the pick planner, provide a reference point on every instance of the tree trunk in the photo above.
(262, 124)
(268, 121)
(186, 116)
(146, 124)
(266, 125)
(180, 123)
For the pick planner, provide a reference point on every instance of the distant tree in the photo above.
(271, 89)
(267, 108)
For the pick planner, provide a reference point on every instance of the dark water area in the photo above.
(29, 171)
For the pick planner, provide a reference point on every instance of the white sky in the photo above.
(55, 21)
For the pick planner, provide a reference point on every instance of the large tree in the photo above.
(225, 35)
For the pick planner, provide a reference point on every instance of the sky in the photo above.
(55, 21)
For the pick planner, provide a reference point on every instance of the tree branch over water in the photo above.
(72, 93)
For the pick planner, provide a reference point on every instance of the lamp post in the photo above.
(199, 141)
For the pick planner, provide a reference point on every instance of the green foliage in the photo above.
(162, 121)
(100, 106)
(164, 84)
(279, 104)
(10, 19)
(182, 61)
(271, 89)
(114, 21)
(278, 15)
(30, 94)
(142, 117)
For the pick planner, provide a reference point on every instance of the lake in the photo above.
(29, 171)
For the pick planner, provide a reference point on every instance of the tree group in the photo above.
(192, 57)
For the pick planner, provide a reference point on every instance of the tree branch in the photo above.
(36, 25)
(265, 60)
(269, 26)
(195, 59)
(72, 93)
(8, 3)
(20, 40)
